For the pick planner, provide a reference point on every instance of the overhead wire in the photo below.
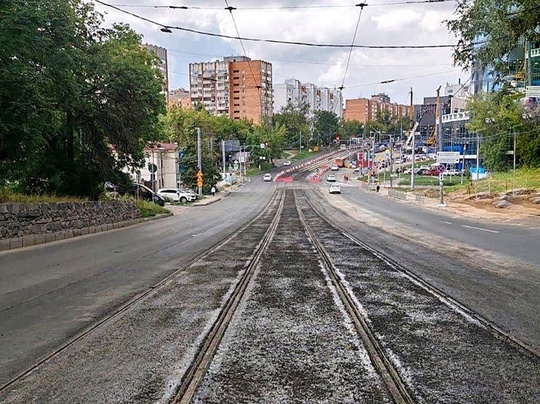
(313, 6)
(259, 87)
(361, 5)
(276, 41)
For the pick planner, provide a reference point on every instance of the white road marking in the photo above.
(442, 221)
(480, 228)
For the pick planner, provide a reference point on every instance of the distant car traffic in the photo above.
(331, 178)
(287, 163)
(334, 167)
(267, 177)
(335, 189)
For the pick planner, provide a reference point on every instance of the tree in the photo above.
(497, 118)
(69, 90)
(325, 126)
(295, 118)
(489, 30)
(351, 128)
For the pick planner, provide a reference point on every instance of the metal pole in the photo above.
(373, 159)
(223, 158)
(463, 164)
(391, 161)
(412, 159)
(514, 170)
(199, 156)
(477, 155)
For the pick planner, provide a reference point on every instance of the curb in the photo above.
(45, 238)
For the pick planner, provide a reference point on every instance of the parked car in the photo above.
(176, 195)
(331, 178)
(191, 192)
(267, 177)
(432, 171)
(335, 189)
(287, 163)
(139, 191)
(451, 171)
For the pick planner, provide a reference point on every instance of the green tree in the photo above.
(325, 127)
(351, 128)
(489, 30)
(495, 117)
(69, 90)
(294, 117)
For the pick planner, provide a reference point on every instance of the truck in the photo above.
(340, 162)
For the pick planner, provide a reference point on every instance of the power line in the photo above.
(361, 5)
(313, 6)
(168, 28)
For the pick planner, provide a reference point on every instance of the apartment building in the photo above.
(235, 86)
(366, 110)
(180, 97)
(318, 98)
(163, 67)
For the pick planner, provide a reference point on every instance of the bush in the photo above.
(149, 209)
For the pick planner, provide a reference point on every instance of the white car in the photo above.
(335, 189)
(331, 178)
(176, 195)
(334, 167)
(267, 177)
(287, 163)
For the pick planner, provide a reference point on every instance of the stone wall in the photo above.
(26, 224)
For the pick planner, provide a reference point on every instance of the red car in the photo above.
(432, 171)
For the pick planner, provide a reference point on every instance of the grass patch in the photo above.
(149, 209)
(7, 195)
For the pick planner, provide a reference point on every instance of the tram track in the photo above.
(152, 290)
(388, 372)
(205, 354)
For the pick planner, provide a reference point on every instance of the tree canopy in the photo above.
(489, 30)
(72, 94)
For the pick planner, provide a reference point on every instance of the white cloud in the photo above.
(389, 25)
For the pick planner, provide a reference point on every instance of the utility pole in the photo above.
(223, 158)
(413, 141)
(439, 120)
(199, 157)
(391, 161)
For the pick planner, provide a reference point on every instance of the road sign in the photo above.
(440, 169)
(199, 183)
(152, 168)
(448, 157)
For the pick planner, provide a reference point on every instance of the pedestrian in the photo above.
(378, 187)
(213, 190)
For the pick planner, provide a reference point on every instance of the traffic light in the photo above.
(199, 178)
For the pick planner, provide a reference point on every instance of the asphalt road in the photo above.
(51, 292)
(518, 242)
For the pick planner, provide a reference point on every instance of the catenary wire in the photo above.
(361, 5)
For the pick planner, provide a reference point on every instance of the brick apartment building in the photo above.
(235, 86)
(366, 110)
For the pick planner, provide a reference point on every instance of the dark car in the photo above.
(139, 191)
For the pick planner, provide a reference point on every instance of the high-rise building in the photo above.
(366, 110)
(180, 97)
(235, 86)
(161, 53)
(318, 98)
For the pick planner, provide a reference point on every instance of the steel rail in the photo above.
(107, 318)
(496, 331)
(396, 387)
(196, 371)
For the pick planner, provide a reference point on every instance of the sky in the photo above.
(360, 71)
